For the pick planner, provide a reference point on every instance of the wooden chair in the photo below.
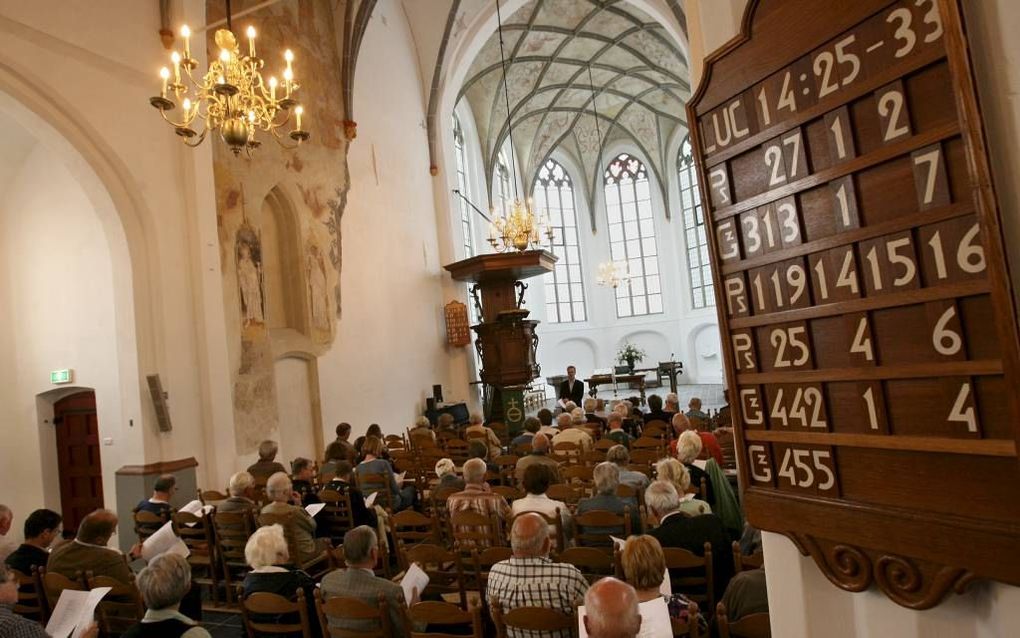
(197, 534)
(750, 626)
(482, 562)
(569, 494)
(443, 567)
(231, 531)
(258, 608)
(457, 450)
(558, 536)
(121, 608)
(647, 443)
(593, 529)
(376, 484)
(728, 447)
(539, 619)
(501, 431)
(31, 600)
(507, 464)
(147, 524)
(567, 452)
(743, 562)
(604, 444)
(432, 612)
(209, 497)
(337, 518)
(316, 566)
(646, 456)
(353, 609)
(508, 492)
(593, 563)
(577, 474)
(522, 449)
(54, 584)
(644, 468)
(471, 530)
(335, 555)
(656, 428)
(410, 528)
(691, 574)
(593, 457)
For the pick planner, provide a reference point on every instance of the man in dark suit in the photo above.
(572, 389)
(361, 552)
(88, 551)
(690, 532)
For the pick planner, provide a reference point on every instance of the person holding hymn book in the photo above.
(284, 500)
(571, 389)
(372, 451)
(644, 568)
(14, 626)
(42, 527)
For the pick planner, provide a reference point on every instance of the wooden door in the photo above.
(81, 475)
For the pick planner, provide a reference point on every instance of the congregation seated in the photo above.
(710, 447)
(616, 432)
(159, 502)
(361, 553)
(611, 610)
(343, 483)
(421, 435)
(674, 472)
(694, 410)
(446, 471)
(266, 553)
(164, 582)
(42, 527)
(88, 552)
(283, 501)
(359, 443)
(545, 418)
(302, 478)
(478, 450)
(476, 426)
(539, 456)
(242, 494)
(606, 476)
(590, 408)
(655, 411)
(477, 496)
(340, 449)
(531, 427)
(373, 463)
(266, 466)
(13, 625)
(644, 568)
(619, 455)
(537, 480)
(687, 449)
(572, 430)
(690, 532)
(529, 578)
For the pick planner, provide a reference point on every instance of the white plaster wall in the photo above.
(390, 346)
(294, 405)
(801, 600)
(58, 313)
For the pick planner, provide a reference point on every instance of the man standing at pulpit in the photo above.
(572, 389)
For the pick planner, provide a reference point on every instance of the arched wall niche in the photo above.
(287, 304)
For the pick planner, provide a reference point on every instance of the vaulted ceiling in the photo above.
(557, 52)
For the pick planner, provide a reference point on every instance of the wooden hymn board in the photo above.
(866, 313)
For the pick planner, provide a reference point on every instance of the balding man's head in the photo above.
(611, 610)
(564, 421)
(529, 536)
(540, 443)
(97, 527)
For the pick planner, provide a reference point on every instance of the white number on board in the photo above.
(796, 339)
(945, 340)
(961, 412)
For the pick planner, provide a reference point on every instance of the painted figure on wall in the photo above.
(249, 276)
(318, 288)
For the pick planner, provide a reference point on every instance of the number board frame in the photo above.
(871, 339)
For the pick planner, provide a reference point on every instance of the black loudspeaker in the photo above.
(430, 404)
(437, 393)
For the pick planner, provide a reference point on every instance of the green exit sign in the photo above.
(62, 376)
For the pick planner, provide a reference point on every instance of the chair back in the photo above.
(54, 584)
(604, 444)
(376, 484)
(266, 613)
(471, 530)
(197, 534)
(121, 608)
(31, 600)
(743, 562)
(309, 564)
(750, 626)
(538, 619)
(507, 463)
(691, 574)
(208, 497)
(593, 563)
(231, 531)
(147, 524)
(511, 494)
(482, 562)
(577, 474)
(443, 567)
(457, 450)
(353, 609)
(432, 612)
(656, 427)
(647, 443)
(567, 452)
(569, 494)
(501, 431)
(646, 456)
(409, 528)
(337, 518)
(593, 529)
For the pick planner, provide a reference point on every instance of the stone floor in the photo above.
(223, 624)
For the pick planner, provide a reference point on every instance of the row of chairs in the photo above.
(39, 592)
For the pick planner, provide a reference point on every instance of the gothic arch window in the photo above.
(467, 233)
(503, 183)
(564, 288)
(695, 235)
(632, 236)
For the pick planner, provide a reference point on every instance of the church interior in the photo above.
(526, 318)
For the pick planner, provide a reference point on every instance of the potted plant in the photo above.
(630, 354)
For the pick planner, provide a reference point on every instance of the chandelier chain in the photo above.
(506, 97)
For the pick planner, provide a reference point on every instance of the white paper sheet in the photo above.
(414, 579)
(74, 612)
(163, 541)
(618, 543)
(314, 508)
(196, 508)
(400, 477)
(700, 463)
(370, 501)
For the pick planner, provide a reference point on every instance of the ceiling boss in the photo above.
(231, 97)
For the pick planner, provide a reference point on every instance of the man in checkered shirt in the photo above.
(531, 579)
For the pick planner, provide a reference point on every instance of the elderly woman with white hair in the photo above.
(266, 553)
(162, 584)
(447, 473)
(688, 449)
(675, 472)
(285, 501)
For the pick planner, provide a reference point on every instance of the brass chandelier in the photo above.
(612, 274)
(231, 97)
